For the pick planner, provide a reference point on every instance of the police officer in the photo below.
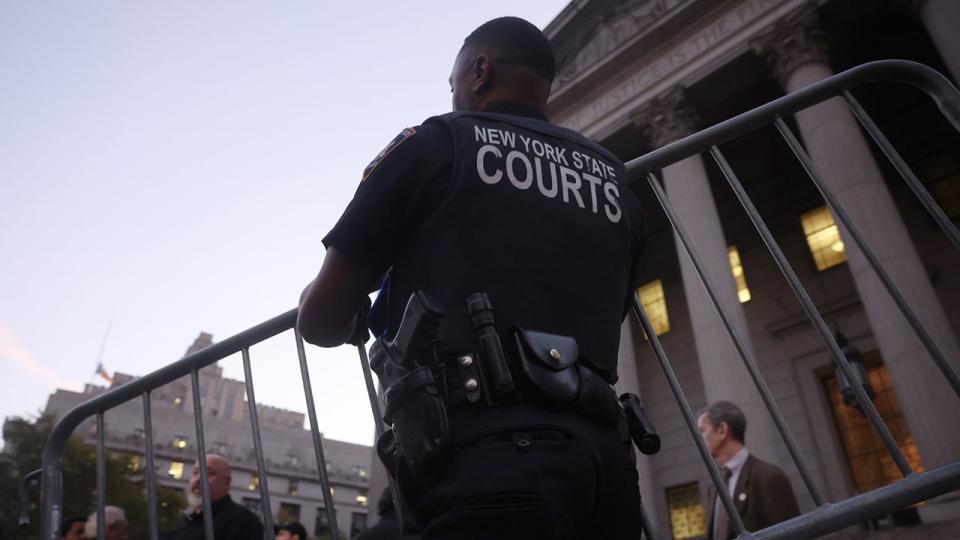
(493, 198)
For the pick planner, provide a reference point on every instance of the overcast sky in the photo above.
(172, 166)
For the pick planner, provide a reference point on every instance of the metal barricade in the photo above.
(52, 475)
(825, 518)
(915, 487)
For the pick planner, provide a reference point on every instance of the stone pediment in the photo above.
(624, 20)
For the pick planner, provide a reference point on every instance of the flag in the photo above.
(103, 373)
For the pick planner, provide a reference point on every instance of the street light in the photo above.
(855, 359)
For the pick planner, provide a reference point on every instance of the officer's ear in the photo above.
(482, 74)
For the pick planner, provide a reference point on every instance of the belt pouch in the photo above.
(549, 363)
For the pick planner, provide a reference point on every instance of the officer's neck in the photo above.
(517, 108)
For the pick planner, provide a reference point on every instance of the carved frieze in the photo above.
(678, 56)
(627, 19)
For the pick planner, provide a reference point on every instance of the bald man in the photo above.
(230, 520)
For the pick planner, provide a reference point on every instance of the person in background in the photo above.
(388, 528)
(74, 528)
(115, 521)
(761, 493)
(291, 531)
(230, 520)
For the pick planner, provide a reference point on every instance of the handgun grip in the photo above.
(420, 319)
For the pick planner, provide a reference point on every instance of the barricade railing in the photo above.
(826, 516)
(52, 476)
(916, 487)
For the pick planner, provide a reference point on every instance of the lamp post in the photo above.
(853, 356)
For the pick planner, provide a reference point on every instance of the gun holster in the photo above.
(413, 404)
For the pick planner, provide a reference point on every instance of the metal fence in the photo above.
(825, 518)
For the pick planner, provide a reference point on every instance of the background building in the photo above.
(635, 75)
(293, 480)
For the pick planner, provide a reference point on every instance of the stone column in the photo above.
(842, 157)
(666, 119)
(942, 20)
(629, 381)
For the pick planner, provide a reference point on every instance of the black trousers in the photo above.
(526, 472)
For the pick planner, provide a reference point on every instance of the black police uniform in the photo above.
(541, 219)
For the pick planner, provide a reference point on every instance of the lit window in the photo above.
(655, 306)
(362, 500)
(180, 443)
(823, 237)
(743, 292)
(686, 512)
(870, 465)
(254, 483)
(359, 471)
(294, 487)
(176, 470)
(134, 464)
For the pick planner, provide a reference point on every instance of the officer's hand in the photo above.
(360, 333)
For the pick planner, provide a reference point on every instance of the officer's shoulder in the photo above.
(426, 136)
(429, 130)
(437, 126)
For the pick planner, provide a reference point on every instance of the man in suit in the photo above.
(761, 492)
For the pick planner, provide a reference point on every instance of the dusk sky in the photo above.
(173, 166)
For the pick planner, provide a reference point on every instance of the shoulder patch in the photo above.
(404, 135)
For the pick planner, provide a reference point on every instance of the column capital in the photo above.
(791, 42)
(667, 117)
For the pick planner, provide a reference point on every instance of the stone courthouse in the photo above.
(635, 75)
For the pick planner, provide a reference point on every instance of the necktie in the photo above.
(721, 522)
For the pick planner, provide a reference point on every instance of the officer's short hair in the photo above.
(724, 411)
(512, 40)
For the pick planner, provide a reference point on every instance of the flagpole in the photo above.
(103, 345)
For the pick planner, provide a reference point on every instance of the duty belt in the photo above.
(439, 360)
